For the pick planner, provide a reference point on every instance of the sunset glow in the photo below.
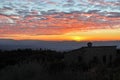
(60, 20)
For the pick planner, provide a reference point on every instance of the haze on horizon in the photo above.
(60, 20)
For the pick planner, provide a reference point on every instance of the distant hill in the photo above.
(8, 44)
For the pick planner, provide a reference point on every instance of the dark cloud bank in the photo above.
(54, 45)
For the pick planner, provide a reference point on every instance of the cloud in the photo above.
(113, 14)
(57, 17)
(6, 20)
(27, 6)
(58, 23)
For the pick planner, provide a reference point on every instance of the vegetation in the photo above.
(46, 64)
(27, 55)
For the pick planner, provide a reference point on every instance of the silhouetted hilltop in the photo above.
(46, 64)
(20, 55)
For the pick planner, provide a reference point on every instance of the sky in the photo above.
(60, 20)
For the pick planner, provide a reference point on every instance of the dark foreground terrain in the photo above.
(41, 64)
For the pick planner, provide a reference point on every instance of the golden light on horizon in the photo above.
(96, 35)
(77, 38)
(90, 35)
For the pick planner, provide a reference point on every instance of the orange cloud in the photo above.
(56, 26)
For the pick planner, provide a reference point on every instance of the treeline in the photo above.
(45, 64)
(43, 56)
(28, 55)
(118, 51)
